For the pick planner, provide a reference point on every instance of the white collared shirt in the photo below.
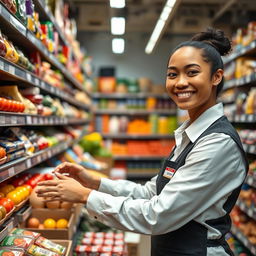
(197, 191)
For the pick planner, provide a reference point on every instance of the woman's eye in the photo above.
(193, 72)
(171, 74)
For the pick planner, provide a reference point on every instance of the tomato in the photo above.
(18, 182)
(48, 176)
(5, 104)
(10, 202)
(6, 204)
(28, 187)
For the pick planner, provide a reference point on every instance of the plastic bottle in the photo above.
(114, 124)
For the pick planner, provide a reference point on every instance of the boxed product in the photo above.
(50, 231)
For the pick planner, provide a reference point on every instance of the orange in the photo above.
(62, 223)
(23, 192)
(49, 223)
(14, 196)
(6, 189)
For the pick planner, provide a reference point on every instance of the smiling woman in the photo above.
(185, 208)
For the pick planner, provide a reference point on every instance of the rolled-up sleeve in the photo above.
(207, 177)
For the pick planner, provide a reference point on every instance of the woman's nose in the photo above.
(181, 82)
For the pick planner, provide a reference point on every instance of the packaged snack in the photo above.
(38, 251)
(6, 251)
(24, 232)
(17, 241)
(48, 244)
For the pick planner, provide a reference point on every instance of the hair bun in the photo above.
(215, 38)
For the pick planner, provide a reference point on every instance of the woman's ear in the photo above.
(217, 77)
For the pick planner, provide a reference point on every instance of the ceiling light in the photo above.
(161, 24)
(117, 3)
(118, 45)
(117, 25)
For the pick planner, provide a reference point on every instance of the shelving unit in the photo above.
(14, 74)
(133, 112)
(246, 122)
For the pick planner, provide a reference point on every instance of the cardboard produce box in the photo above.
(63, 234)
(67, 244)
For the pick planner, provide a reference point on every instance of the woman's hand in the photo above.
(63, 189)
(78, 173)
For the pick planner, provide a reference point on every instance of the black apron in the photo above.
(191, 239)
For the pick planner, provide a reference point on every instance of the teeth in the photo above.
(184, 94)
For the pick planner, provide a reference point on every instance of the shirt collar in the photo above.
(208, 117)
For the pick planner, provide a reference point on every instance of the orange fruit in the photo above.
(6, 189)
(62, 223)
(49, 223)
(14, 196)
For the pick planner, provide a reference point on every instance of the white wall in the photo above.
(134, 63)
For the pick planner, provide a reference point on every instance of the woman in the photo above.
(186, 207)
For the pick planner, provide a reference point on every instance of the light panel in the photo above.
(118, 45)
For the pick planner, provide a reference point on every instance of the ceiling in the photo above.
(141, 15)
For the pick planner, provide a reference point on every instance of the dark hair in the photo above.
(214, 45)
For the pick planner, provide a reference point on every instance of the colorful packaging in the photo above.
(24, 232)
(17, 241)
(48, 244)
(38, 251)
(11, 252)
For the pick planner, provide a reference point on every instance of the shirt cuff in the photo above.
(105, 184)
(95, 203)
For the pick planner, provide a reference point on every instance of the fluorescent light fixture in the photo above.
(117, 25)
(117, 3)
(165, 14)
(118, 45)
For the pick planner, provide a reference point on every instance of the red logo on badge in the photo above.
(169, 172)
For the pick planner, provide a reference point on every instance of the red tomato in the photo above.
(48, 176)
(18, 182)
(10, 202)
(5, 202)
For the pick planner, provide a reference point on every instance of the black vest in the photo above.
(191, 239)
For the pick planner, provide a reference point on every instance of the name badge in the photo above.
(169, 172)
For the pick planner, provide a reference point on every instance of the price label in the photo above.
(41, 120)
(39, 159)
(49, 155)
(36, 81)
(10, 226)
(243, 118)
(29, 164)
(250, 212)
(236, 118)
(1, 65)
(250, 118)
(0, 9)
(43, 84)
(14, 120)
(11, 70)
(29, 77)
(2, 120)
(51, 89)
(28, 120)
(34, 118)
(11, 171)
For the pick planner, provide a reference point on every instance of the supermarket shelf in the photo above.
(249, 49)
(136, 158)
(139, 95)
(14, 71)
(19, 31)
(251, 180)
(134, 112)
(137, 136)
(14, 119)
(250, 211)
(250, 149)
(8, 226)
(12, 168)
(243, 239)
(240, 82)
(46, 14)
(243, 118)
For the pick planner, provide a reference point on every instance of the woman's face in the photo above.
(189, 82)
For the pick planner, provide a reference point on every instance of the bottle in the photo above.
(114, 124)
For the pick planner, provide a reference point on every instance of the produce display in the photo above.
(154, 124)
